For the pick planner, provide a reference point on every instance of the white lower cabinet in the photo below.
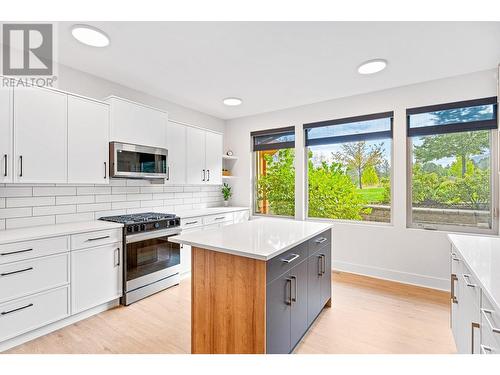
(32, 312)
(96, 276)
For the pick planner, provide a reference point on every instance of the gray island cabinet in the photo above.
(257, 286)
(298, 287)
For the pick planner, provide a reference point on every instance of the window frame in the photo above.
(340, 121)
(494, 183)
(254, 168)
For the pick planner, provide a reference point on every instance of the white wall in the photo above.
(387, 251)
(82, 83)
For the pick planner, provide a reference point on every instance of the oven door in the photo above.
(150, 257)
(134, 161)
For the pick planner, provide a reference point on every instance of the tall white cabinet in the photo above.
(40, 136)
(204, 157)
(88, 135)
(6, 173)
(176, 159)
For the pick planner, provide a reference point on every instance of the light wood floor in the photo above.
(367, 316)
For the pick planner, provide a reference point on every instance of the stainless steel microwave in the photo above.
(135, 161)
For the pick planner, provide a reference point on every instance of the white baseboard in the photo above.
(392, 275)
(21, 339)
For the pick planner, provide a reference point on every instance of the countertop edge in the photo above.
(452, 238)
(246, 254)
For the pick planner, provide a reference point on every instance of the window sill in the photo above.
(353, 222)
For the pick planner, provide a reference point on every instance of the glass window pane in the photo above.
(361, 127)
(451, 180)
(350, 181)
(275, 182)
(271, 139)
(453, 116)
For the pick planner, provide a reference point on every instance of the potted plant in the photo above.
(226, 193)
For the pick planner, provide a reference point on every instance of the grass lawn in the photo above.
(371, 195)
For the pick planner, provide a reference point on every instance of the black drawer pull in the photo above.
(16, 252)
(290, 260)
(220, 218)
(14, 310)
(5, 165)
(321, 240)
(191, 222)
(97, 238)
(14, 272)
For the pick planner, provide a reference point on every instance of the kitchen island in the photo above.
(257, 286)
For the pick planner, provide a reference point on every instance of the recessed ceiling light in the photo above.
(372, 66)
(232, 102)
(90, 35)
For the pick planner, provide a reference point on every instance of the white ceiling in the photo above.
(276, 65)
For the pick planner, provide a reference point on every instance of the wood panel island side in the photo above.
(257, 286)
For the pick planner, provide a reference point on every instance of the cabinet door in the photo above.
(176, 146)
(326, 277)
(88, 141)
(195, 157)
(40, 136)
(299, 325)
(6, 137)
(278, 316)
(313, 287)
(137, 124)
(214, 158)
(96, 276)
(456, 310)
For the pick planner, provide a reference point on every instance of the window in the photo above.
(274, 171)
(451, 181)
(349, 168)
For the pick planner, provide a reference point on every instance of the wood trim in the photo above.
(228, 304)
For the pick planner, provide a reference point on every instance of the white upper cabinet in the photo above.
(195, 158)
(136, 123)
(213, 158)
(40, 136)
(176, 159)
(204, 157)
(6, 164)
(88, 141)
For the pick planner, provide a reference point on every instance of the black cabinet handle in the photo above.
(105, 170)
(203, 172)
(168, 173)
(14, 310)
(16, 252)
(191, 222)
(5, 165)
(14, 272)
(208, 173)
(288, 299)
(21, 167)
(119, 257)
(294, 298)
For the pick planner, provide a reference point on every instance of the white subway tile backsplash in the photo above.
(51, 191)
(29, 221)
(54, 210)
(30, 201)
(17, 191)
(72, 218)
(42, 204)
(6, 213)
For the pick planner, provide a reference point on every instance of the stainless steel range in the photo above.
(151, 263)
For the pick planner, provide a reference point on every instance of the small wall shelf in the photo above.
(227, 157)
(228, 163)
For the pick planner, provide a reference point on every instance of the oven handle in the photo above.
(153, 234)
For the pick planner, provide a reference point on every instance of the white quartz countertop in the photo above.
(44, 231)
(184, 214)
(482, 255)
(261, 239)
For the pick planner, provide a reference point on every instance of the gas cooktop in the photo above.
(138, 218)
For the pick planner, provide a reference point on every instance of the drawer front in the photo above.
(471, 288)
(92, 239)
(212, 219)
(489, 343)
(284, 262)
(26, 314)
(192, 222)
(320, 241)
(490, 323)
(455, 260)
(17, 251)
(32, 276)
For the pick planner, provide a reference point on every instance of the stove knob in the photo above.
(136, 228)
(143, 226)
(129, 229)
(157, 225)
